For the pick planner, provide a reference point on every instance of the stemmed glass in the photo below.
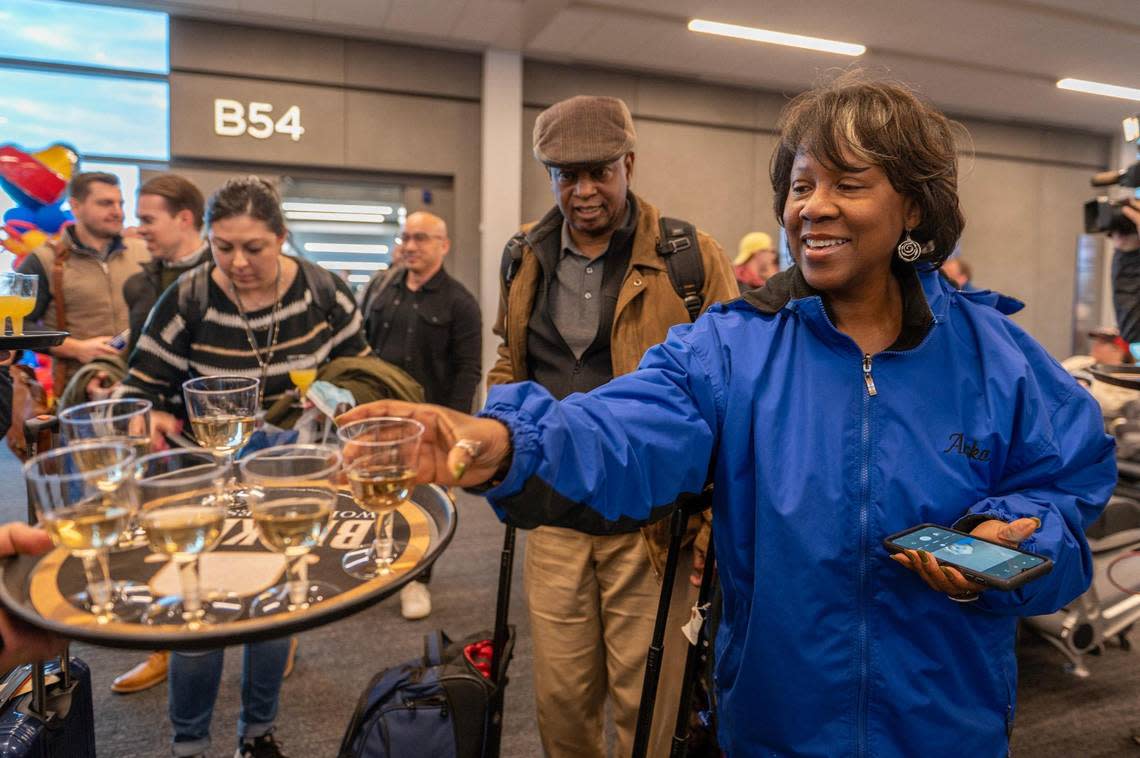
(291, 493)
(380, 460)
(223, 414)
(83, 496)
(124, 420)
(183, 513)
(17, 300)
(302, 372)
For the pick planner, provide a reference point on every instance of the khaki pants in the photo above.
(592, 604)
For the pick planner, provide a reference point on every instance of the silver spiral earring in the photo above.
(909, 250)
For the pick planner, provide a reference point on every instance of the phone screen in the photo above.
(968, 552)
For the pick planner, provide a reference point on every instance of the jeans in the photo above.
(194, 680)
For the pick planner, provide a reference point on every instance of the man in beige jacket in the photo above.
(586, 292)
(81, 276)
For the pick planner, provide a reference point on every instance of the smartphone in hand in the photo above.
(981, 561)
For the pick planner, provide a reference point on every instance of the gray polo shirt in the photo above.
(575, 296)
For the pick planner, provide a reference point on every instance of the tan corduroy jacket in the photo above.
(647, 307)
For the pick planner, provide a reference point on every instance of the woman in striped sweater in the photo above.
(252, 311)
(261, 309)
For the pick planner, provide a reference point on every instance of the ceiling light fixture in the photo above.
(1098, 88)
(775, 38)
(343, 247)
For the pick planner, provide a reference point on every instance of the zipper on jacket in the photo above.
(871, 391)
(864, 519)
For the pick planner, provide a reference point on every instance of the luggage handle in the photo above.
(687, 506)
(38, 706)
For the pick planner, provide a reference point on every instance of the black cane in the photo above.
(657, 645)
(693, 659)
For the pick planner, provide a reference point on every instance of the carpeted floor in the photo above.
(1059, 716)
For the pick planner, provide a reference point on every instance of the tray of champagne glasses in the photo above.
(175, 551)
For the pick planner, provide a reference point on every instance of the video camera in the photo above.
(1103, 215)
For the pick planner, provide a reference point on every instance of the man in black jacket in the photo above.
(170, 222)
(427, 323)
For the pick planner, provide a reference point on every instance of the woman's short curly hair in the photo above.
(885, 124)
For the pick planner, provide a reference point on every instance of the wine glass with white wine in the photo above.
(183, 512)
(223, 414)
(291, 493)
(122, 420)
(380, 463)
(84, 498)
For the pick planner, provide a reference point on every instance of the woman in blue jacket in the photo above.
(854, 396)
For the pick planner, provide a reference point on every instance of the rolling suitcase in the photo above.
(56, 718)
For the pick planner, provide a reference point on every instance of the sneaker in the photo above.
(415, 601)
(261, 747)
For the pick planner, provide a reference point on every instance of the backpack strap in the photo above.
(61, 252)
(322, 283)
(435, 645)
(512, 259)
(194, 294)
(679, 248)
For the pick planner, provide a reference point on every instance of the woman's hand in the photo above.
(456, 449)
(949, 579)
(161, 424)
(22, 643)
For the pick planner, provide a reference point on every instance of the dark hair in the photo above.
(180, 194)
(80, 186)
(248, 196)
(887, 125)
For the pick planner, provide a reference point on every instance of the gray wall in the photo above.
(367, 107)
(703, 149)
(703, 154)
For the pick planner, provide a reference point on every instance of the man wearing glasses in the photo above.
(427, 323)
(585, 293)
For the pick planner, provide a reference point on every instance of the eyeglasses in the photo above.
(598, 174)
(417, 237)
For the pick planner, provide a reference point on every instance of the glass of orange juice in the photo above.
(17, 300)
(302, 372)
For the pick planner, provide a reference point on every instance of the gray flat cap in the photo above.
(583, 130)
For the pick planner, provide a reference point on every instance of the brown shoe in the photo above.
(292, 659)
(145, 675)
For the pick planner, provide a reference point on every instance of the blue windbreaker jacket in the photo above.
(827, 647)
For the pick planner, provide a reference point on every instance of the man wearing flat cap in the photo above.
(586, 291)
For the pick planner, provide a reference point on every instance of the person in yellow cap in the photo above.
(756, 261)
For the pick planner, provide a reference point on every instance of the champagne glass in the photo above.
(223, 414)
(302, 372)
(183, 512)
(380, 457)
(125, 420)
(83, 496)
(291, 493)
